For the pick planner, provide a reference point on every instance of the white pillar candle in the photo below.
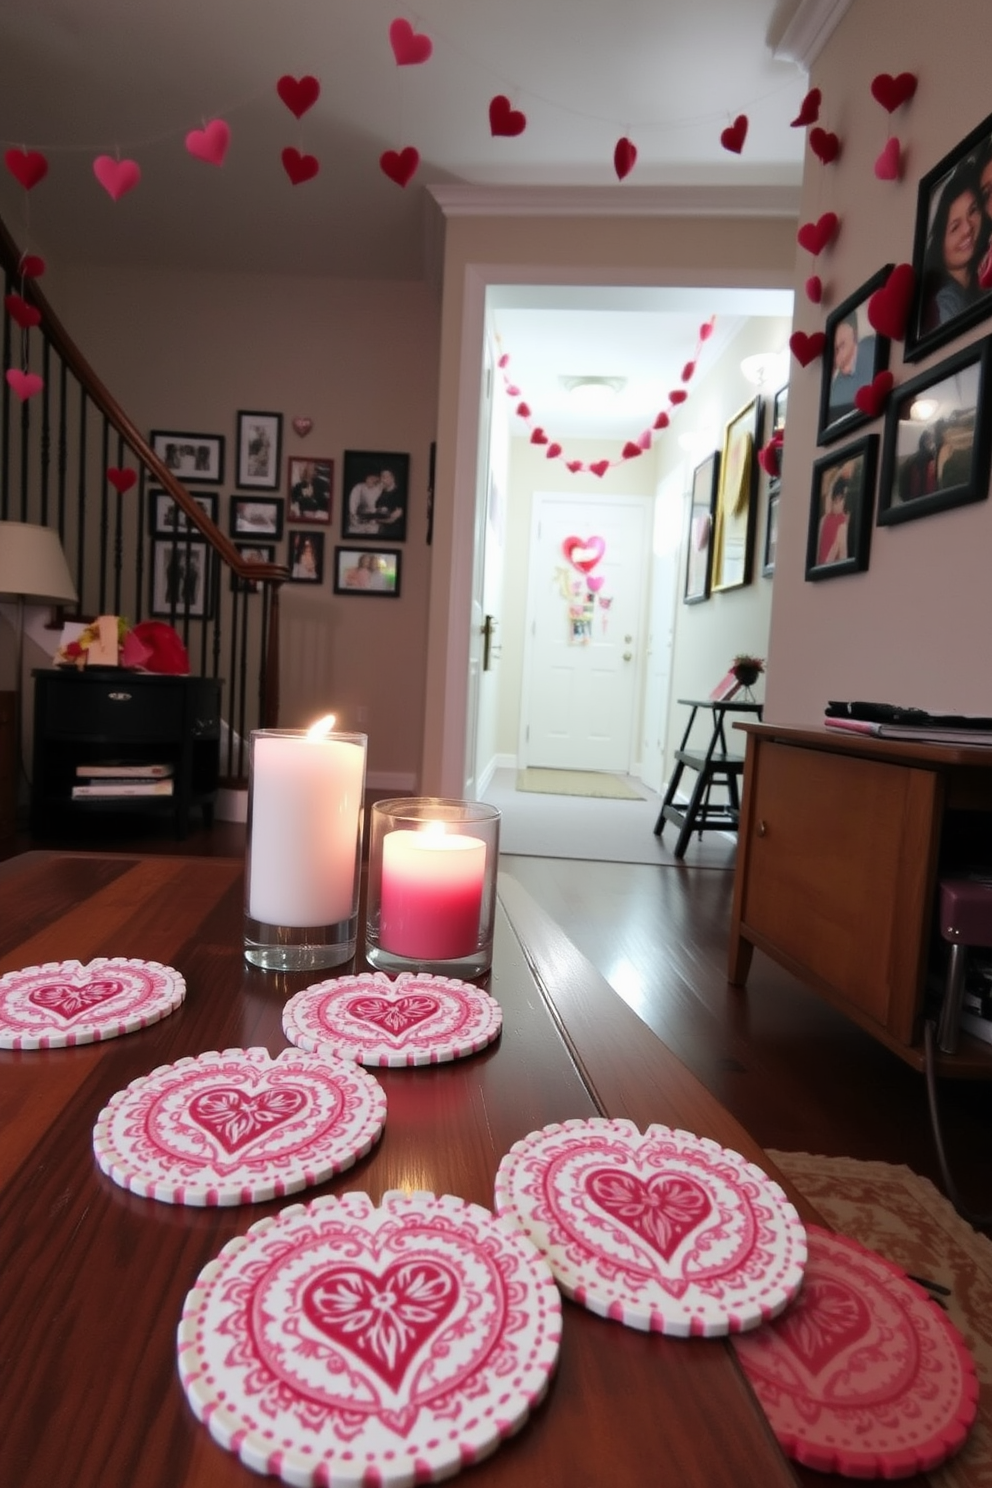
(431, 900)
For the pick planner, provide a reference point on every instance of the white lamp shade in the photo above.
(32, 563)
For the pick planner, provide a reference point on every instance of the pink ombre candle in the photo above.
(431, 902)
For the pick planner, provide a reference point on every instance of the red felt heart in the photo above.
(809, 109)
(400, 165)
(409, 47)
(688, 370)
(26, 166)
(824, 144)
(236, 1117)
(121, 480)
(805, 348)
(600, 467)
(512, 390)
(631, 451)
(814, 288)
(299, 168)
(768, 459)
(814, 236)
(553, 451)
(523, 409)
(31, 266)
(663, 1210)
(678, 395)
(21, 312)
(585, 552)
(381, 1318)
(503, 119)
(735, 134)
(209, 143)
(302, 426)
(298, 94)
(574, 465)
(891, 91)
(872, 398)
(24, 384)
(662, 421)
(116, 176)
(888, 166)
(888, 307)
(538, 436)
(624, 157)
(706, 329)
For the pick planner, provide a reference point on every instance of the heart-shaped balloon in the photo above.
(662, 421)
(299, 168)
(631, 451)
(116, 176)
(814, 288)
(872, 398)
(298, 94)
(31, 266)
(584, 553)
(888, 307)
(824, 144)
(538, 436)
(504, 119)
(121, 480)
(735, 134)
(24, 384)
(400, 165)
(209, 143)
(26, 166)
(891, 91)
(600, 467)
(21, 312)
(302, 426)
(624, 157)
(814, 236)
(888, 166)
(552, 452)
(809, 109)
(806, 348)
(409, 47)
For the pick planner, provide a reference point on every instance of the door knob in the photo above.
(627, 655)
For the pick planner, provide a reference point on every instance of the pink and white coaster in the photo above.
(340, 1343)
(416, 1019)
(864, 1375)
(238, 1127)
(665, 1231)
(64, 1002)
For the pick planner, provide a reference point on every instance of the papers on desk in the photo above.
(912, 733)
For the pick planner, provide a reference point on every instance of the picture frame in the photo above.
(309, 489)
(375, 572)
(305, 559)
(842, 497)
(937, 441)
(853, 357)
(734, 518)
(255, 553)
(195, 459)
(780, 409)
(375, 494)
(259, 450)
(258, 517)
(180, 570)
(699, 540)
(166, 516)
(771, 532)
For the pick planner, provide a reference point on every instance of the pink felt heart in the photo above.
(814, 236)
(298, 94)
(553, 451)
(872, 398)
(503, 119)
(600, 467)
(383, 1318)
(31, 266)
(824, 144)
(121, 480)
(678, 395)
(504, 360)
(688, 370)
(662, 421)
(299, 168)
(809, 109)
(209, 143)
(400, 165)
(888, 307)
(21, 312)
(236, 1117)
(735, 134)
(409, 47)
(624, 157)
(891, 91)
(663, 1210)
(512, 390)
(584, 552)
(631, 451)
(26, 166)
(706, 329)
(644, 440)
(302, 426)
(116, 176)
(806, 348)
(523, 409)
(574, 465)
(538, 436)
(24, 384)
(814, 288)
(888, 166)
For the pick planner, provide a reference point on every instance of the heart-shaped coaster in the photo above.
(116, 176)
(339, 1342)
(209, 143)
(663, 1231)
(238, 1127)
(584, 553)
(400, 165)
(814, 236)
(302, 426)
(862, 1375)
(20, 312)
(806, 348)
(121, 480)
(872, 398)
(28, 167)
(888, 165)
(809, 109)
(624, 157)
(63, 1002)
(824, 144)
(299, 167)
(504, 119)
(24, 384)
(416, 1019)
(409, 47)
(888, 307)
(298, 94)
(735, 134)
(891, 92)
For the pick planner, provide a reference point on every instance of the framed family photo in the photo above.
(375, 496)
(372, 571)
(165, 516)
(853, 357)
(257, 516)
(181, 578)
(309, 486)
(952, 245)
(840, 510)
(771, 533)
(259, 450)
(195, 459)
(252, 553)
(733, 522)
(699, 546)
(306, 557)
(937, 439)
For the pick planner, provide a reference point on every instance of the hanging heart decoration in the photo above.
(806, 348)
(872, 398)
(677, 396)
(553, 451)
(302, 426)
(28, 167)
(814, 289)
(513, 391)
(504, 119)
(814, 236)
(400, 165)
(644, 440)
(24, 384)
(706, 329)
(523, 410)
(824, 144)
(809, 109)
(538, 436)
(662, 421)
(209, 143)
(410, 48)
(888, 307)
(20, 312)
(735, 134)
(116, 176)
(600, 467)
(888, 166)
(631, 451)
(624, 157)
(891, 92)
(299, 168)
(688, 370)
(770, 455)
(121, 480)
(298, 94)
(31, 266)
(583, 553)
(574, 466)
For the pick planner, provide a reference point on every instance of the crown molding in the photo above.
(609, 201)
(807, 33)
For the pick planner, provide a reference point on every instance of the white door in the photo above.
(583, 639)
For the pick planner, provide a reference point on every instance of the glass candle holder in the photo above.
(432, 886)
(304, 848)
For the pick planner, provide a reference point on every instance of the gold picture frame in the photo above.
(733, 522)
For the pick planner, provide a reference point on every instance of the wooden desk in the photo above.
(93, 1278)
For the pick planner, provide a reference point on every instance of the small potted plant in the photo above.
(747, 669)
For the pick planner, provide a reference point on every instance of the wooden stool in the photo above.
(965, 920)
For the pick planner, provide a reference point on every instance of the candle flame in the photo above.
(321, 727)
(434, 829)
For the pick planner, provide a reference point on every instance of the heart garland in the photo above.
(891, 92)
(121, 480)
(807, 348)
(24, 384)
(888, 166)
(814, 236)
(116, 176)
(872, 398)
(400, 165)
(298, 94)
(809, 109)
(504, 119)
(824, 144)
(298, 167)
(410, 48)
(20, 312)
(28, 167)
(624, 157)
(735, 134)
(888, 307)
(209, 143)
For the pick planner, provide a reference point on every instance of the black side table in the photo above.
(715, 765)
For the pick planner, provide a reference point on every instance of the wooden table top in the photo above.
(93, 1278)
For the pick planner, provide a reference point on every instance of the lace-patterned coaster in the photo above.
(340, 1343)
(238, 1127)
(416, 1019)
(864, 1375)
(64, 1003)
(665, 1231)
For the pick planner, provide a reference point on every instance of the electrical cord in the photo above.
(979, 1220)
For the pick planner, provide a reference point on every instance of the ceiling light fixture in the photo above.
(765, 367)
(593, 392)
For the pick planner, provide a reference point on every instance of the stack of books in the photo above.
(107, 781)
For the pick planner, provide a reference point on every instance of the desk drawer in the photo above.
(120, 709)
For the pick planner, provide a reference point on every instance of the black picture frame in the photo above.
(166, 516)
(846, 475)
(850, 336)
(942, 307)
(195, 459)
(770, 546)
(917, 481)
(259, 450)
(780, 410)
(310, 490)
(368, 507)
(257, 517)
(699, 539)
(385, 576)
(181, 569)
(305, 559)
(736, 505)
(255, 553)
